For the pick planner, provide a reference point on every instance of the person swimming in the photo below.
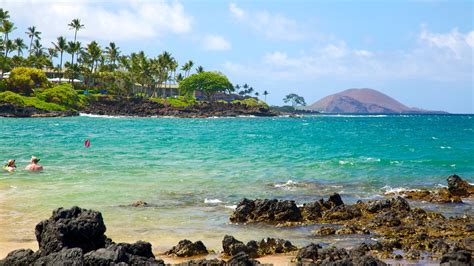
(34, 166)
(10, 166)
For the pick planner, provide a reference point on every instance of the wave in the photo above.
(232, 207)
(212, 201)
(445, 147)
(290, 184)
(397, 190)
(103, 116)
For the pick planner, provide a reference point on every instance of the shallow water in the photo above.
(194, 171)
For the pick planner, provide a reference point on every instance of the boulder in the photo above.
(20, 257)
(325, 231)
(309, 252)
(459, 187)
(254, 249)
(387, 218)
(394, 204)
(203, 262)
(269, 211)
(186, 248)
(312, 211)
(242, 259)
(460, 257)
(71, 228)
(342, 212)
(134, 254)
(72, 256)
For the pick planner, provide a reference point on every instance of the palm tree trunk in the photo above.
(31, 43)
(61, 67)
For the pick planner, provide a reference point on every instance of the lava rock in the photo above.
(270, 211)
(72, 256)
(398, 204)
(254, 249)
(242, 259)
(20, 257)
(460, 257)
(186, 248)
(459, 187)
(309, 252)
(71, 228)
(203, 262)
(342, 212)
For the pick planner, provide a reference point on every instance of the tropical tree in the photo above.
(61, 46)
(265, 93)
(20, 45)
(53, 53)
(9, 46)
(208, 82)
(295, 99)
(6, 27)
(4, 15)
(199, 69)
(112, 52)
(32, 34)
(257, 94)
(76, 26)
(187, 68)
(73, 48)
(38, 48)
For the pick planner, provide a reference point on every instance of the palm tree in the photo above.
(60, 46)
(38, 48)
(20, 45)
(76, 26)
(53, 53)
(265, 93)
(9, 46)
(199, 69)
(7, 27)
(95, 53)
(257, 94)
(4, 15)
(32, 33)
(73, 48)
(113, 53)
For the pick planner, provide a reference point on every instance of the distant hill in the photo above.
(363, 101)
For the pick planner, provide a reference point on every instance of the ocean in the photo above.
(194, 171)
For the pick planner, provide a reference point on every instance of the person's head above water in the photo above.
(11, 163)
(34, 159)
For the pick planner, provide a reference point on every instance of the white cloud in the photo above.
(107, 21)
(428, 60)
(236, 11)
(453, 42)
(212, 42)
(271, 26)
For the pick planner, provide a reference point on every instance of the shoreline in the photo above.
(382, 218)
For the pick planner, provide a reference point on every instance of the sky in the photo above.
(418, 52)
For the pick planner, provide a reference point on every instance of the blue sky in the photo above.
(419, 52)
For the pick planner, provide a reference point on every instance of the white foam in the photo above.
(397, 190)
(445, 147)
(342, 162)
(233, 207)
(288, 185)
(434, 137)
(102, 116)
(339, 115)
(212, 201)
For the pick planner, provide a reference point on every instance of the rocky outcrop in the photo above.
(71, 228)
(146, 108)
(254, 249)
(76, 237)
(269, 211)
(10, 110)
(458, 258)
(457, 189)
(186, 248)
(313, 254)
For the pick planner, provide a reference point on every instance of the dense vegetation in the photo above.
(91, 70)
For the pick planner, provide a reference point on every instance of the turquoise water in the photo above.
(194, 170)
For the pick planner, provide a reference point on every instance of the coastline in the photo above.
(388, 220)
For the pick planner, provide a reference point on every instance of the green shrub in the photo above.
(12, 98)
(37, 103)
(3, 85)
(180, 101)
(62, 94)
(24, 80)
(252, 102)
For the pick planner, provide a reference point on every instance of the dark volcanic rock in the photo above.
(459, 187)
(139, 248)
(254, 249)
(460, 257)
(325, 231)
(242, 259)
(315, 255)
(342, 212)
(72, 256)
(270, 211)
(186, 248)
(398, 203)
(9, 110)
(20, 257)
(70, 228)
